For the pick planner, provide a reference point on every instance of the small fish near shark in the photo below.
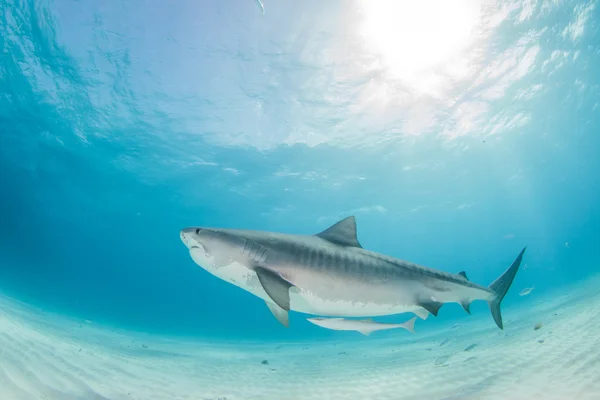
(526, 291)
(330, 274)
(364, 326)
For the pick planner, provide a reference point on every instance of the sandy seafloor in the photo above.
(44, 356)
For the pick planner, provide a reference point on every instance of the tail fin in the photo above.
(500, 286)
(409, 325)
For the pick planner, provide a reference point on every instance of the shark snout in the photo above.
(190, 237)
(186, 236)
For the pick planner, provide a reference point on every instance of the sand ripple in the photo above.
(45, 356)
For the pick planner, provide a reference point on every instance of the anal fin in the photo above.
(279, 313)
(365, 332)
(431, 306)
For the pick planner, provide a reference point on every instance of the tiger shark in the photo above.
(331, 274)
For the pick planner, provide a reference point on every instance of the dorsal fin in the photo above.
(463, 274)
(342, 233)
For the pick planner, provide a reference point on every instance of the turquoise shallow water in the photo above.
(455, 134)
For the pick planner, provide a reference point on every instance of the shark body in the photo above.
(330, 274)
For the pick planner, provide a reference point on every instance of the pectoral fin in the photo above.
(279, 313)
(276, 287)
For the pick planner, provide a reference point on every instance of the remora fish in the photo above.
(330, 274)
(364, 326)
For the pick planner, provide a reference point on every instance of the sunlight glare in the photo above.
(422, 43)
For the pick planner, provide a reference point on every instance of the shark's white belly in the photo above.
(308, 303)
(303, 300)
(317, 295)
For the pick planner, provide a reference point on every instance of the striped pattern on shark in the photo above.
(331, 274)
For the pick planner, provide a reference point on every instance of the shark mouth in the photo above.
(199, 254)
(197, 248)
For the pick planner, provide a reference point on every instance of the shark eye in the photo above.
(197, 231)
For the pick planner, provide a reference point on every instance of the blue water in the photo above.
(123, 122)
